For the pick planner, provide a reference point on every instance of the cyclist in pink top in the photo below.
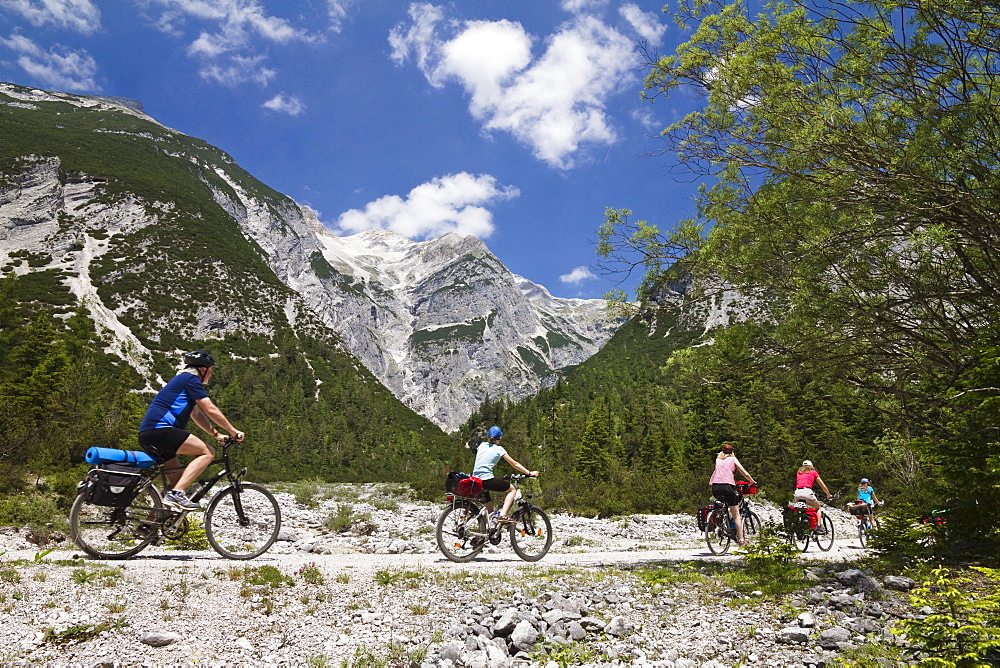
(723, 482)
(804, 479)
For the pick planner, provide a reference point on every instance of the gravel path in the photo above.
(381, 594)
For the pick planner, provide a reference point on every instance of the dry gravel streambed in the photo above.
(380, 593)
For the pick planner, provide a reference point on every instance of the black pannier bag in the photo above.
(451, 482)
(113, 485)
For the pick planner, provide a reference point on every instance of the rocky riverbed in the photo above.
(357, 580)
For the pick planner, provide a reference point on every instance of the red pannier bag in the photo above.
(703, 513)
(813, 520)
(471, 486)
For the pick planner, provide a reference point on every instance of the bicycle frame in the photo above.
(206, 486)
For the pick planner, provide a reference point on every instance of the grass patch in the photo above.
(261, 575)
(386, 578)
(83, 632)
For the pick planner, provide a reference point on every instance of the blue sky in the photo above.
(517, 121)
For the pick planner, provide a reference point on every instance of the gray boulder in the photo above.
(452, 652)
(524, 636)
(834, 638)
(505, 625)
(859, 580)
(899, 583)
(619, 626)
(862, 625)
(160, 638)
(793, 635)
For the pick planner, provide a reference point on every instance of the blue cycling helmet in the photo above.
(494, 432)
(864, 480)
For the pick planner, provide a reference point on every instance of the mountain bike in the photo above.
(241, 521)
(864, 515)
(801, 527)
(720, 528)
(464, 527)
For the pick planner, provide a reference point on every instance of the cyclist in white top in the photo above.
(488, 454)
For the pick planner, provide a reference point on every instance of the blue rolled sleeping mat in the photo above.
(113, 456)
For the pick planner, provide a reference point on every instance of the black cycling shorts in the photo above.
(162, 443)
(496, 485)
(726, 493)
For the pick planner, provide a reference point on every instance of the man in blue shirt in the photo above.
(163, 434)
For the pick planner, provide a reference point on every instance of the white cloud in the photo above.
(237, 70)
(238, 30)
(288, 105)
(577, 276)
(647, 119)
(77, 15)
(59, 67)
(337, 11)
(580, 6)
(647, 24)
(419, 38)
(454, 203)
(554, 103)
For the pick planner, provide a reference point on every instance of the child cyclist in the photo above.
(866, 494)
(488, 454)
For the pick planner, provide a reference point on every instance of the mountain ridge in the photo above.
(442, 323)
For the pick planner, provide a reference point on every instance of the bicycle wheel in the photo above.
(247, 538)
(862, 534)
(531, 533)
(717, 532)
(751, 525)
(115, 533)
(797, 530)
(461, 531)
(825, 540)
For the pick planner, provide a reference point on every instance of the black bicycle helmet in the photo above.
(199, 358)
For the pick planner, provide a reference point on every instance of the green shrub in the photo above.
(770, 565)
(193, 539)
(770, 554)
(306, 491)
(63, 483)
(345, 518)
(964, 628)
(901, 536)
(34, 510)
(311, 574)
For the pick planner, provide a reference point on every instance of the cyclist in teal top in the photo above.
(866, 493)
(488, 454)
